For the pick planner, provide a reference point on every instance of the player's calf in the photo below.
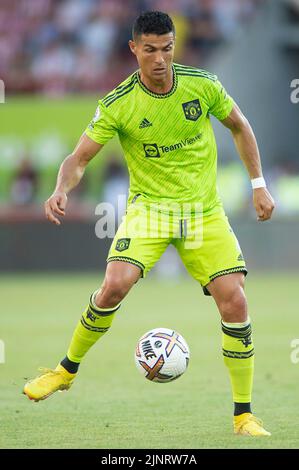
(237, 343)
(94, 323)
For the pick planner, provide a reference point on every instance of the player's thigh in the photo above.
(132, 246)
(122, 275)
(224, 287)
(228, 293)
(216, 254)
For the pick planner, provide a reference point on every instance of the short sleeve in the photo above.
(220, 103)
(103, 125)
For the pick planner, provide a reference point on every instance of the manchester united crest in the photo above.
(192, 110)
(122, 244)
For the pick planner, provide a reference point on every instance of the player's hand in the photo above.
(54, 206)
(263, 203)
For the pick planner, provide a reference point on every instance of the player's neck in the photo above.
(158, 86)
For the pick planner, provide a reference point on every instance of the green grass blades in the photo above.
(110, 404)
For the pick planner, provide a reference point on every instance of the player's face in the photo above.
(154, 54)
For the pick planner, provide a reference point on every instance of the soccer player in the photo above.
(161, 114)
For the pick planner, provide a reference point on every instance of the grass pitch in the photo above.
(111, 405)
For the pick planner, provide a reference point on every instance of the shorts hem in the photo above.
(223, 273)
(128, 260)
(228, 271)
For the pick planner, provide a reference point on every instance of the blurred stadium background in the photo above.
(57, 57)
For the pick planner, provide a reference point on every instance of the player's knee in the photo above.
(112, 292)
(233, 308)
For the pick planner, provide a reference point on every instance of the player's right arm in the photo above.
(69, 175)
(101, 129)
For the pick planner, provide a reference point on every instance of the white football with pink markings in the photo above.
(162, 355)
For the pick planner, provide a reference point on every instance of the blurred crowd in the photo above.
(55, 47)
(282, 180)
(59, 46)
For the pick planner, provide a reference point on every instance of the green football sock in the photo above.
(94, 323)
(238, 355)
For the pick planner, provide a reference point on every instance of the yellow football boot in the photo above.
(50, 381)
(248, 425)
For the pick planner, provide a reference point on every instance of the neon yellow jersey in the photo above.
(167, 139)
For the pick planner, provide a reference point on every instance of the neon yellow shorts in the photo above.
(206, 244)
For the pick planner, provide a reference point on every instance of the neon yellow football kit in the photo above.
(170, 149)
(171, 154)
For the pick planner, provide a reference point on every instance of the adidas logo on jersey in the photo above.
(145, 123)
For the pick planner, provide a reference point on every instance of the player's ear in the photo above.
(132, 46)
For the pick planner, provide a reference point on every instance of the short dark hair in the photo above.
(152, 22)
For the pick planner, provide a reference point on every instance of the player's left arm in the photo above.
(247, 148)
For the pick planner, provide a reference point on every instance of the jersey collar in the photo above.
(159, 95)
